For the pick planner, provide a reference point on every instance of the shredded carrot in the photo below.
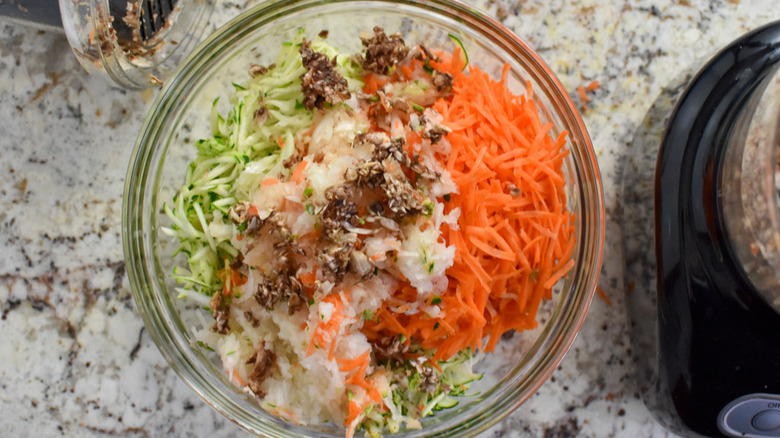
(372, 83)
(351, 364)
(297, 175)
(515, 237)
(230, 279)
(358, 366)
(326, 333)
(308, 278)
(354, 411)
(583, 97)
(238, 379)
(582, 93)
(561, 271)
(269, 181)
(603, 295)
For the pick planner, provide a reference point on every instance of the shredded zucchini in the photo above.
(238, 155)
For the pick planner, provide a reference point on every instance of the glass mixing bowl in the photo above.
(180, 115)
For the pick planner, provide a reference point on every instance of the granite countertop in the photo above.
(76, 359)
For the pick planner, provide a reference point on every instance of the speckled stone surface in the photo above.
(76, 360)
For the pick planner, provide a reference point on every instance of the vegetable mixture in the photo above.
(360, 226)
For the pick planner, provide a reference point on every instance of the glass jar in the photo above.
(106, 36)
(129, 61)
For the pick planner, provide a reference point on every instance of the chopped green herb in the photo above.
(309, 209)
(427, 66)
(436, 299)
(447, 197)
(205, 346)
(436, 326)
(367, 314)
(429, 206)
(307, 192)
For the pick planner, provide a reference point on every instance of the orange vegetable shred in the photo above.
(515, 236)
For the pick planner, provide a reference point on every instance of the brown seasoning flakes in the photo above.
(338, 212)
(392, 350)
(429, 380)
(283, 284)
(281, 287)
(256, 70)
(264, 362)
(321, 83)
(261, 115)
(433, 131)
(442, 80)
(221, 310)
(383, 52)
(336, 258)
(403, 199)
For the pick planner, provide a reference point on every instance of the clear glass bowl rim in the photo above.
(140, 199)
